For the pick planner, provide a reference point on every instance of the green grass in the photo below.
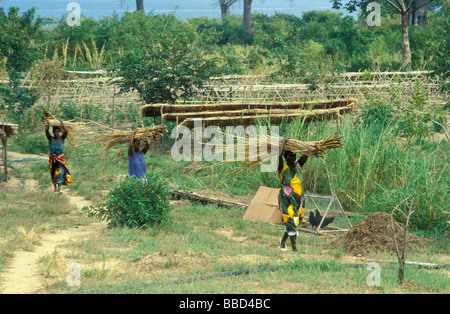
(208, 240)
(25, 215)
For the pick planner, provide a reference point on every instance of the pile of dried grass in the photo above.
(375, 234)
(150, 134)
(72, 127)
(8, 129)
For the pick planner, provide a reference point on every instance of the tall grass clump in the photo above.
(376, 170)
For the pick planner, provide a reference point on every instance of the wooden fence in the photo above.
(84, 88)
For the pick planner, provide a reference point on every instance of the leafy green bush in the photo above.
(167, 64)
(17, 99)
(26, 143)
(377, 112)
(135, 203)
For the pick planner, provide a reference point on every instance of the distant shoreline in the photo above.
(183, 9)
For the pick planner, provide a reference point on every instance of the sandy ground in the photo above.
(22, 275)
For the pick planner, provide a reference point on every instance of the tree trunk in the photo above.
(418, 17)
(223, 9)
(406, 51)
(247, 14)
(247, 20)
(139, 5)
(401, 273)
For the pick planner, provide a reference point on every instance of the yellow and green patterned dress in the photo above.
(290, 197)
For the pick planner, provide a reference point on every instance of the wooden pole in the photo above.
(113, 107)
(162, 137)
(1, 175)
(323, 218)
(312, 199)
(5, 159)
(342, 209)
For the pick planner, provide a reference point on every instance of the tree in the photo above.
(418, 17)
(438, 45)
(247, 20)
(247, 14)
(401, 254)
(167, 65)
(18, 48)
(139, 5)
(405, 9)
(225, 7)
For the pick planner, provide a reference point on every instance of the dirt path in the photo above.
(22, 276)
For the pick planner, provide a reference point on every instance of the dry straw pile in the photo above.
(111, 139)
(375, 234)
(8, 129)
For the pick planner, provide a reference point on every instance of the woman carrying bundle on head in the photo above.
(57, 163)
(290, 194)
(136, 159)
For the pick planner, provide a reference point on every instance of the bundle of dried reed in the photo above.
(150, 134)
(171, 111)
(249, 150)
(251, 146)
(72, 127)
(317, 148)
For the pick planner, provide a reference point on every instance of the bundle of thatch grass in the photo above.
(317, 148)
(251, 146)
(150, 134)
(72, 127)
(8, 129)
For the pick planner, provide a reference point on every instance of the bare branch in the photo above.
(410, 5)
(401, 255)
(394, 6)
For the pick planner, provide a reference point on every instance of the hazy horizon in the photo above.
(182, 8)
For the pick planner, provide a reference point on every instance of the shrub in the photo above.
(166, 65)
(35, 143)
(377, 112)
(135, 203)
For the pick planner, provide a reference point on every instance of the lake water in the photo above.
(182, 8)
